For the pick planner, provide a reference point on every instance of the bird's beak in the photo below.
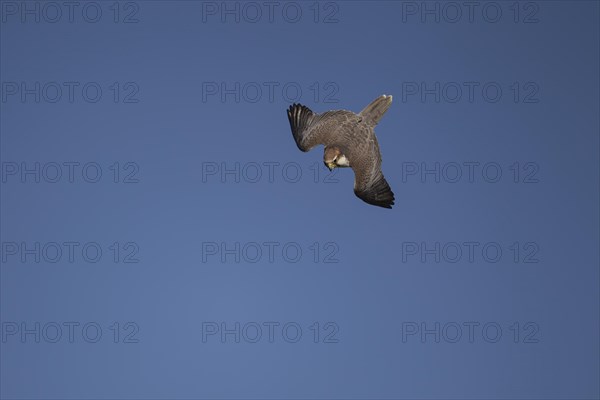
(331, 166)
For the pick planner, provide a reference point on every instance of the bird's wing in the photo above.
(310, 129)
(369, 183)
(377, 192)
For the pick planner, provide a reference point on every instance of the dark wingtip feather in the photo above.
(299, 117)
(379, 194)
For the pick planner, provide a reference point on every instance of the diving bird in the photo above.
(349, 141)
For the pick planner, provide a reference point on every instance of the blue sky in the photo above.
(163, 237)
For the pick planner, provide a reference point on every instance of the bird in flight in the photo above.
(349, 141)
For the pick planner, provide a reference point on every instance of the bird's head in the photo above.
(334, 157)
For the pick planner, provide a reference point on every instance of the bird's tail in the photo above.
(374, 111)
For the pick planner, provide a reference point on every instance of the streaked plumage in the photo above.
(349, 140)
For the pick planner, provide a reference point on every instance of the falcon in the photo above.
(349, 141)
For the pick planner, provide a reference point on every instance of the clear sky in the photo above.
(163, 237)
